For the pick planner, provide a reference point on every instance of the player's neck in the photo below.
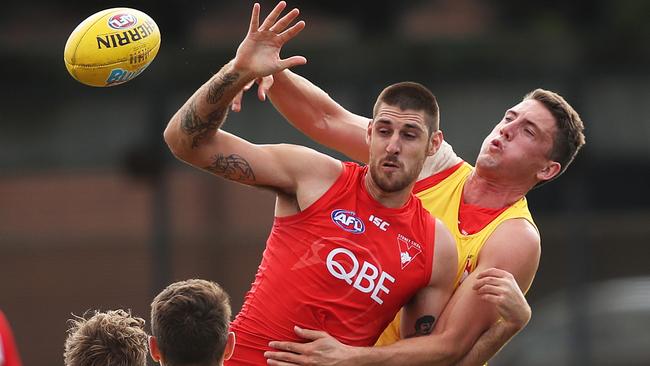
(491, 193)
(387, 199)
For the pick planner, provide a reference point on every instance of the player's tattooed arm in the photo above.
(233, 167)
(423, 326)
(214, 107)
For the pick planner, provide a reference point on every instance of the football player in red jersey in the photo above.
(326, 264)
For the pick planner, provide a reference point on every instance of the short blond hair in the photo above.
(113, 338)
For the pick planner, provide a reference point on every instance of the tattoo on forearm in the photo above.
(233, 167)
(196, 127)
(218, 86)
(423, 326)
(193, 125)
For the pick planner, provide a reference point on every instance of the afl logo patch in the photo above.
(348, 221)
(122, 21)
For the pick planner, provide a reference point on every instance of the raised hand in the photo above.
(259, 52)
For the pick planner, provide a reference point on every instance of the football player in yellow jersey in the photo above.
(498, 243)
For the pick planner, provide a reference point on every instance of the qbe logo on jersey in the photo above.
(348, 221)
(122, 21)
(344, 265)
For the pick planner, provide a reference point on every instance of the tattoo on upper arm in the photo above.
(423, 326)
(233, 167)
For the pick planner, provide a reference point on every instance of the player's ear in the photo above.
(434, 142)
(549, 171)
(230, 346)
(153, 349)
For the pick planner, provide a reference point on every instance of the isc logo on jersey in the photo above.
(348, 221)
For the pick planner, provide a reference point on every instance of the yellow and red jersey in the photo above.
(471, 226)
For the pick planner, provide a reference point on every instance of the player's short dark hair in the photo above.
(190, 320)
(413, 96)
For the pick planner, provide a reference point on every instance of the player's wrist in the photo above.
(513, 326)
(367, 356)
(350, 355)
(240, 68)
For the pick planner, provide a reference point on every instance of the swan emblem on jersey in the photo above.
(408, 249)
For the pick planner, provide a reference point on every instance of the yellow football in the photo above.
(111, 47)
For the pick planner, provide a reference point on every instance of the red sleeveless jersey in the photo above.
(344, 265)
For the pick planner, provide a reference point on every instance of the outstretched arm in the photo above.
(312, 111)
(193, 126)
(194, 134)
(317, 115)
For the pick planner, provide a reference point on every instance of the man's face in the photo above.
(519, 146)
(399, 143)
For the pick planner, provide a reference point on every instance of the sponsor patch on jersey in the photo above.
(348, 221)
(408, 249)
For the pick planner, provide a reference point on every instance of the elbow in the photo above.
(169, 136)
(174, 142)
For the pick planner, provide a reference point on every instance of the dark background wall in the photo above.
(95, 212)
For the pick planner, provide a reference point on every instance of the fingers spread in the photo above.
(292, 61)
(255, 19)
(270, 19)
(285, 21)
(292, 32)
